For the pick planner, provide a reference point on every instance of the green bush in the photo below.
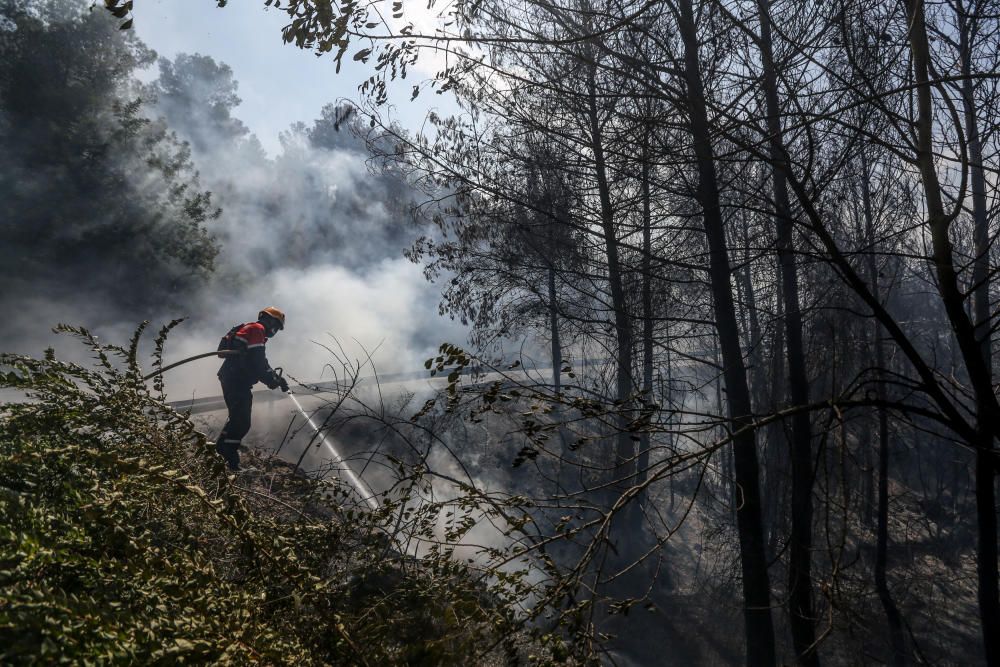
(123, 540)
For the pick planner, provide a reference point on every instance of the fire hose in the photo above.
(219, 353)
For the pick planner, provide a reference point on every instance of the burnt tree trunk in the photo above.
(624, 455)
(800, 606)
(760, 649)
(554, 330)
(965, 331)
(892, 615)
(647, 324)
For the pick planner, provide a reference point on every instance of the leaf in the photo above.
(362, 54)
(183, 645)
(126, 25)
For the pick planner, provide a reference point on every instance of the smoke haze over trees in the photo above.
(102, 196)
(727, 271)
(153, 200)
(330, 208)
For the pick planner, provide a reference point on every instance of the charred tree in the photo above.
(893, 617)
(800, 605)
(760, 649)
(980, 374)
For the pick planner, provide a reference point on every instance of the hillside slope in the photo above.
(123, 540)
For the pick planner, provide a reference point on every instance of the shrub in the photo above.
(124, 540)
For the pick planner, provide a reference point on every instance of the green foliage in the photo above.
(96, 196)
(122, 539)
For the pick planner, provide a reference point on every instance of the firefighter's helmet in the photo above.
(273, 312)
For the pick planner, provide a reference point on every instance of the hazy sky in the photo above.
(279, 84)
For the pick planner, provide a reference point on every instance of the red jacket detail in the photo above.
(252, 334)
(251, 367)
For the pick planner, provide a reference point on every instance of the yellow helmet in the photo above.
(275, 313)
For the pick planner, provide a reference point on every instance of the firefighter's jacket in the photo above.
(250, 366)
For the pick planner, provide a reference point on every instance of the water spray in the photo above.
(363, 490)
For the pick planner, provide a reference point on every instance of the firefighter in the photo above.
(240, 372)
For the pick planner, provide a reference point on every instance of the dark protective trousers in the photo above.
(239, 402)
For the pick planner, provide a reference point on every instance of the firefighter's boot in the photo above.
(230, 452)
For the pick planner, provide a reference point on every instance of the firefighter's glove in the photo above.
(283, 383)
(273, 380)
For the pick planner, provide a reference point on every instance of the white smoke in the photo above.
(312, 231)
(386, 309)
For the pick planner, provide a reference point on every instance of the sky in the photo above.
(279, 83)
